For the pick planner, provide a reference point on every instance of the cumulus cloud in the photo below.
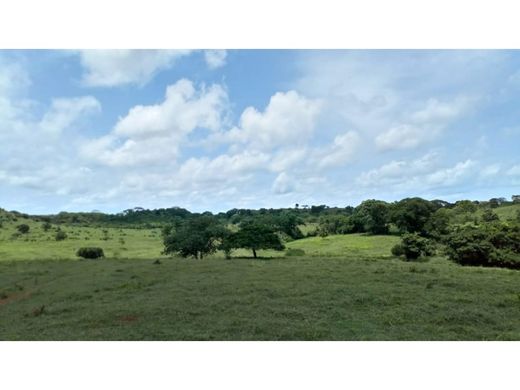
(110, 68)
(283, 184)
(405, 137)
(66, 111)
(342, 150)
(215, 58)
(288, 120)
(154, 133)
(425, 124)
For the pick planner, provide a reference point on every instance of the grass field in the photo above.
(345, 287)
(280, 299)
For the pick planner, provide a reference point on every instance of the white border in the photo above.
(259, 24)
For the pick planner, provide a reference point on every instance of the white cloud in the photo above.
(451, 176)
(405, 137)
(215, 58)
(154, 133)
(490, 171)
(109, 68)
(283, 184)
(514, 170)
(342, 150)
(398, 172)
(288, 120)
(66, 111)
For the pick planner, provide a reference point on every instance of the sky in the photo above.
(211, 130)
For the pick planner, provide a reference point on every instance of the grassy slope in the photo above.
(288, 299)
(345, 288)
(38, 244)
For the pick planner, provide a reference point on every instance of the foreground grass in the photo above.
(308, 298)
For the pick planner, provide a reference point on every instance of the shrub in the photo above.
(46, 226)
(90, 252)
(398, 250)
(60, 235)
(294, 252)
(490, 246)
(415, 246)
(23, 228)
(489, 216)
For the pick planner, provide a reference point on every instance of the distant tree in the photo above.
(411, 214)
(46, 226)
(23, 228)
(255, 235)
(90, 252)
(438, 223)
(413, 246)
(196, 237)
(489, 216)
(60, 235)
(515, 199)
(375, 216)
(465, 206)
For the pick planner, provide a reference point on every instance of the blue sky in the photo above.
(213, 130)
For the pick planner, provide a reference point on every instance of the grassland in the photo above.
(345, 287)
(308, 298)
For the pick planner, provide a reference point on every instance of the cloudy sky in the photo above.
(214, 130)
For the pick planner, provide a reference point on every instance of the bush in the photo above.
(398, 250)
(294, 252)
(23, 228)
(415, 246)
(490, 246)
(60, 235)
(90, 252)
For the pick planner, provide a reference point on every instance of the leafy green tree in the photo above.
(60, 235)
(489, 216)
(375, 216)
(438, 223)
(255, 235)
(23, 228)
(413, 246)
(46, 226)
(411, 214)
(196, 237)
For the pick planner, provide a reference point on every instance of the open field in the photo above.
(345, 287)
(362, 295)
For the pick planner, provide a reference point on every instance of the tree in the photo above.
(60, 235)
(254, 235)
(46, 226)
(413, 246)
(411, 214)
(438, 223)
(489, 216)
(515, 199)
(23, 228)
(196, 237)
(374, 215)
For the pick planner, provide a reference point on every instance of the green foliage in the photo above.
(46, 226)
(411, 215)
(90, 252)
(60, 235)
(398, 250)
(196, 237)
(489, 216)
(438, 223)
(490, 246)
(374, 215)
(414, 246)
(23, 228)
(254, 235)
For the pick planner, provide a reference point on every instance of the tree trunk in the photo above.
(254, 253)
